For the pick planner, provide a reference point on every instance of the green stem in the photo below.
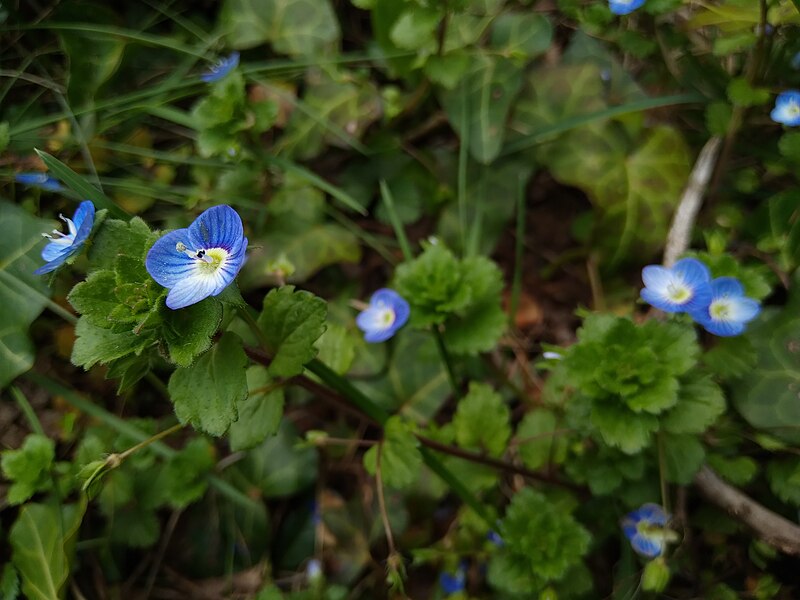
(247, 317)
(154, 438)
(662, 472)
(448, 365)
(519, 247)
(27, 410)
(399, 232)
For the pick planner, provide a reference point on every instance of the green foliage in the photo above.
(23, 295)
(9, 582)
(536, 438)
(543, 543)
(206, 395)
(291, 322)
(460, 295)
(605, 469)
(28, 468)
(259, 413)
(784, 479)
(183, 480)
(42, 541)
(683, 457)
(656, 576)
(396, 455)
(293, 27)
(741, 93)
(481, 421)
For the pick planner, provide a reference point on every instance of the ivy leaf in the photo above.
(700, 402)
(482, 420)
(260, 413)
(291, 322)
(188, 331)
(401, 460)
(28, 467)
(206, 394)
(684, 455)
(42, 539)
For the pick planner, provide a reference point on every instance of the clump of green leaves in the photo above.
(460, 296)
(637, 379)
(28, 468)
(543, 544)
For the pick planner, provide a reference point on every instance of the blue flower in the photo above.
(623, 7)
(452, 583)
(645, 528)
(682, 288)
(199, 261)
(221, 68)
(729, 309)
(314, 570)
(387, 312)
(40, 180)
(495, 538)
(64, 245)
(787, 108)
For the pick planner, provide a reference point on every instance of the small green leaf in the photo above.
(700, 402)
(619, 427)
(401, 461)
(95, 298)
(789, 146)
(183, 479)
(260, 413)
(482, 420)
(535, 437)
(337, 348)
(118, 238)
(741, 93)
(292, 322)
(784, 479)
(28, 467)
(739, 470)
(684, 455)
(97, 345)
(41, 539)
(188, 331)
(416, 28)
(206, 394)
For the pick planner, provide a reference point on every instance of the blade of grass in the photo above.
(529, 141)
(79, 185)
(399, 232)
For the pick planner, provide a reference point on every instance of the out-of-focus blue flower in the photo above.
(64, 245)
(201, 260)
(387, 312)
(623, 7)
(40, 180)
(787, 108)
(452, 583)
(495, 538)
(729, 309)
(313, 570)
(646, 529)
(221, 68)
(682, 288)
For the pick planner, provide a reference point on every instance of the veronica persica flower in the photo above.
(201, 260)
(646, 529)
(40, 180)
(63, 245)
(787, 108)
(452, 583)
(729, 309)
(387, 312)
(221, 68)
(682, 288)
(623, 7)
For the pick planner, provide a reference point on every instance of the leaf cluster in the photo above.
(460, 296)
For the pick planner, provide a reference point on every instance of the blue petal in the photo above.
(221, 68)
(726, 286)
(452, 584)
(661, 303)
(647, 546)
(84, 220)
(693, 271)
(652, 513)
(624, 7)
(217, 227)
(656, 277)
(190, 290)
(629, 527)
(391, 298)
(41, 180)
(745, 309)
(723, 328)
(56, 262)
(165, 264)
(56, 253)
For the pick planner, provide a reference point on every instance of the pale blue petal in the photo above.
(726, 286)
(660, 302)
(55, 249)
(167, 265)
(624, 7)
(657, 278)
(723, 328)
(629, 527)
(692, 271)
(647, 546)
(652, 513)
(398, 304)
(745, 309)
(84, 220)
(221, 68)
(787, 108)
(190, 291)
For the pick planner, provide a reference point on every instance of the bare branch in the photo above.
(770, 527)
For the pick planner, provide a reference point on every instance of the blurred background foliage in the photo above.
(534, 152)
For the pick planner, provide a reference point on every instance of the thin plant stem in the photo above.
(662, 472)
(154, 438)
(382, 501)
(448, 365)
(519, 251)
(249, 319)
(399, 232)
(27, 410)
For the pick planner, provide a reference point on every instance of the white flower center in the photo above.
(678, 292)
(720, 310)
(386, 317)
(208, 260)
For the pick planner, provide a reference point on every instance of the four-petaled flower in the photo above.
(201, 260)
(623, 7)
(221, 68)
(646, 529)
(387, 312)
(787, 108)
(64, 245)
(729, 309)
(682, 288)
(40, 180)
